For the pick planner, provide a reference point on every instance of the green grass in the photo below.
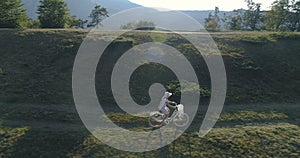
(278, 140)
(237, 117)
(1, 72)
(39, 119)
(158, 37)
(247, 116)
(38, 64)
(9, 137)
(266, 130)
(187, 87)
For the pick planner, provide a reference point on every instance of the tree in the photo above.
(235, 20)
(252, 17)
(53, 14)
(139, 25)
(277, 18)
(212, 21)
(295, 16)
(97, 15)
(284, 16)
(74, 22)
(12, 15)
(33, 24)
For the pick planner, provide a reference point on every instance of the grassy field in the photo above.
(261, 117)
(36, 65)
(266, 130)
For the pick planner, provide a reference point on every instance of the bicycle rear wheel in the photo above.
(155, 121)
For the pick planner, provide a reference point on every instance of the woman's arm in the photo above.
(171, 106)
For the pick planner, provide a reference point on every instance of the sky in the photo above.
(224, 5)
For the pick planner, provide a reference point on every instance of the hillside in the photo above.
(37, 65)
(38, 117)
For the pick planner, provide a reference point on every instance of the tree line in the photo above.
(284, 15)
(51, 14)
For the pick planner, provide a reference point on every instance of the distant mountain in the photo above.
(115, 6)
(202, 14)
(82, 8)
(198, 15)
